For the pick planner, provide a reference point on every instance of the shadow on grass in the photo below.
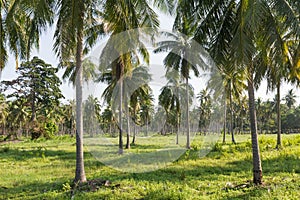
(21, 155)
(34, 190)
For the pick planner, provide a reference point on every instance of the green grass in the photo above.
(44, 169)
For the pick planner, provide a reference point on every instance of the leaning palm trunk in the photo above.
(188, 145)
(278, 117)
(79, 173)
(257, 169)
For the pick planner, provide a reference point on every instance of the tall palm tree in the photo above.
(141, 100)
(184, 56)
(124, 48)
(78, 24)
(135, 88)
(169, 99)
(232, 84)
(277, 41)
(235, 85)
(234, 28)
(172, 99)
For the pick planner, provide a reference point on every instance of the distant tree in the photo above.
(170, 99)
(290, 99)
(68, 114)
(89, 70)
(108, 121)
(38, 85)
(135, 89)
(204, 109)
(18, 118)
(147, 110)
(290, 120)
(3, 112)
(91, 115)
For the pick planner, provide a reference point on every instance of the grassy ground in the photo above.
(44, 169)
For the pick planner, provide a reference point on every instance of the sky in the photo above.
(156, 68)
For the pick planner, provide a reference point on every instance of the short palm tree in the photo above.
(290, 99)
(4, 112)
(204, 109)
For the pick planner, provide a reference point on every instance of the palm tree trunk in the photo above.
(110, 131)
(225, 120)
(79, 173)
(177, 131)
(177, 119)
(188, 145)
(278, 117)
(231, 115)
(128, 129)
(120, 111)
(257, 169)
(147, 126)
(134, 133)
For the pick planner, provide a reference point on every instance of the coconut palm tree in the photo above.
(127, 21)
(234, 28)
(147, 110)
(205, 108)
(290, 99)
(172, 100)
(89, 70)
(91, 115)
(278, 67)
(4, 112)
(19, 115)
(12, 32)
(184, 56)
(108, 121)
(77, 24)
(135, 89)
(21, 23)
(141, 101)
